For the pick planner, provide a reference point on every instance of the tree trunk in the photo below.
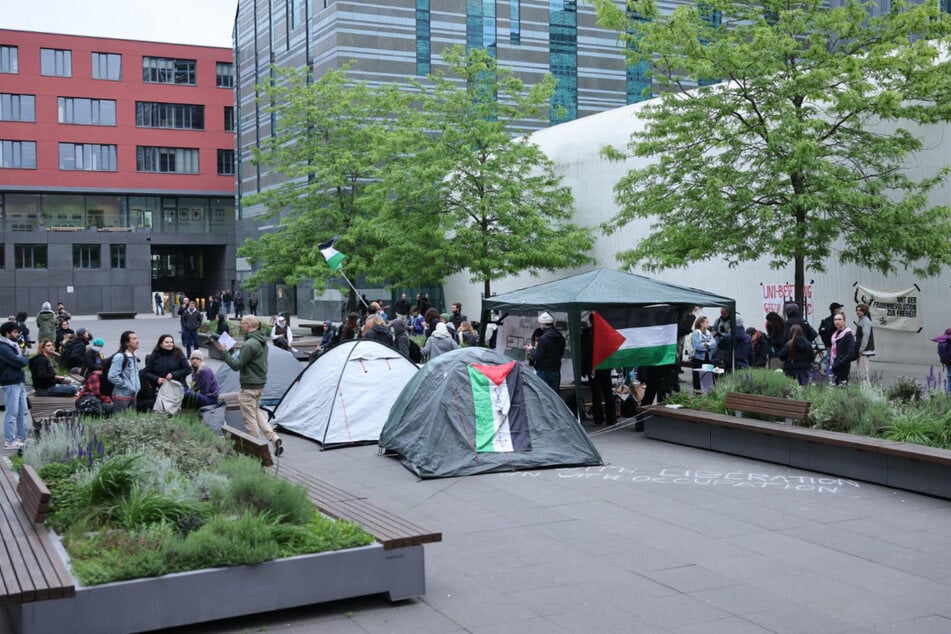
(800, 284)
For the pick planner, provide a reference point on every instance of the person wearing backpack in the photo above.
(944, 356)
(123, 373)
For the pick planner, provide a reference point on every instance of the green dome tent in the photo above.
(473, 411)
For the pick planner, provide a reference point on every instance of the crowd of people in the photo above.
(71, 364)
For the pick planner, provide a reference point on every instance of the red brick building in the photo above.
(116, 171)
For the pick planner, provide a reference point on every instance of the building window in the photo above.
(225, 74)
(225, 162)
(117, 256)
(18, 154)
(164, 70)
(563, 59)
(87, 156)
(30, 256)
(515, 22)
(86, 256)
(84, 111)
(9, 59)
(17, 107)
(480, 25)
(169, 115)
(56, 62)
(423, 42)
(229, 118)
(166, 160)
(107, 66)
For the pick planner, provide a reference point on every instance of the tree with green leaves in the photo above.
(466, 196)
(329, 146)
(799, 154)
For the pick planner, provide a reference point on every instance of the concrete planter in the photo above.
(207, 595)
(900, 465)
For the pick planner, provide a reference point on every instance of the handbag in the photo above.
(168, 399)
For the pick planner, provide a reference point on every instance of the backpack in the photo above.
(89, 405)
(105, 385)
(944, 351)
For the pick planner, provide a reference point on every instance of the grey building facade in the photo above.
(392, 41)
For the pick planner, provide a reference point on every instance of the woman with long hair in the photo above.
(704, 347)
(776, 336)
(350, 327)
(843, 349)
(797, 355)
(166, 363)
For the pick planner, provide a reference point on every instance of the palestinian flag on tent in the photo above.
(628, 338)
(501, 422)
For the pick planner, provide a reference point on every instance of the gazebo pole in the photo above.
(574, 338)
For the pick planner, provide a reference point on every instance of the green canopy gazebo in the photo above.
(599, 289)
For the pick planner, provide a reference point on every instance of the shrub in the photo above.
(758, 381)
(855, 409)
(250, 490)
(905, 390)
(61, 442)
(110, 556)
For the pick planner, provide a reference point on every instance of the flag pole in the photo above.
(350, 284)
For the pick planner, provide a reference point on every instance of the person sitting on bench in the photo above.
(45, 380)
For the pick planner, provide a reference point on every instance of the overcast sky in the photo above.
(204, 22)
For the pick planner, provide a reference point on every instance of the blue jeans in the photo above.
(58, 389)
(551, 379)
(190, 340)
(14, 399)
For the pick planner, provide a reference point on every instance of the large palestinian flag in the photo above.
(627, 338)
(501, 422)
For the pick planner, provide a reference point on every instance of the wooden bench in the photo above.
(249, 445)
(43, 407)
(117, 314)
(786, 408)
(31, 569)
(388, 529)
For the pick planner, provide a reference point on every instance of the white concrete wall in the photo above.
(575, 148)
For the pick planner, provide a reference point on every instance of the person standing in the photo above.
(944, 356)
(238, 305)
(547, 353)
(251, 363)
(46, 323)
(843, 350)
(401, 308)
(61, 313)
(253, 304)
(159, 304)
(439, 343)
(864, 341)
(603, 408)
(797, 356)
(191, 322)
(12, 362)
(124, 372)
(457, 316)
(826, 328)
(704, 347)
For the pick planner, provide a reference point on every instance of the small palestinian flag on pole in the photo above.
(501, 420)
(627, 338)
(334, 258)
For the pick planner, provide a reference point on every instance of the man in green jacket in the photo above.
(251, 362)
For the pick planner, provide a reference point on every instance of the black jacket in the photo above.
(161, 363)
(799, 359)
(11, 365)
(44, 376)
(548, 351)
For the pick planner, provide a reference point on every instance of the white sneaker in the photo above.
(16, 444)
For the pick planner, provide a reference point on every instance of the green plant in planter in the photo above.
(905, 390)
(139, 511)
(856, 409)
(927, 424)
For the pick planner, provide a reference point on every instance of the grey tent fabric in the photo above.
(601, 288)
(282, 369)
(432, 424)
(343, 397)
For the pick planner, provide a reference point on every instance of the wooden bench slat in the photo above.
(388, 529)
(767, 405)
